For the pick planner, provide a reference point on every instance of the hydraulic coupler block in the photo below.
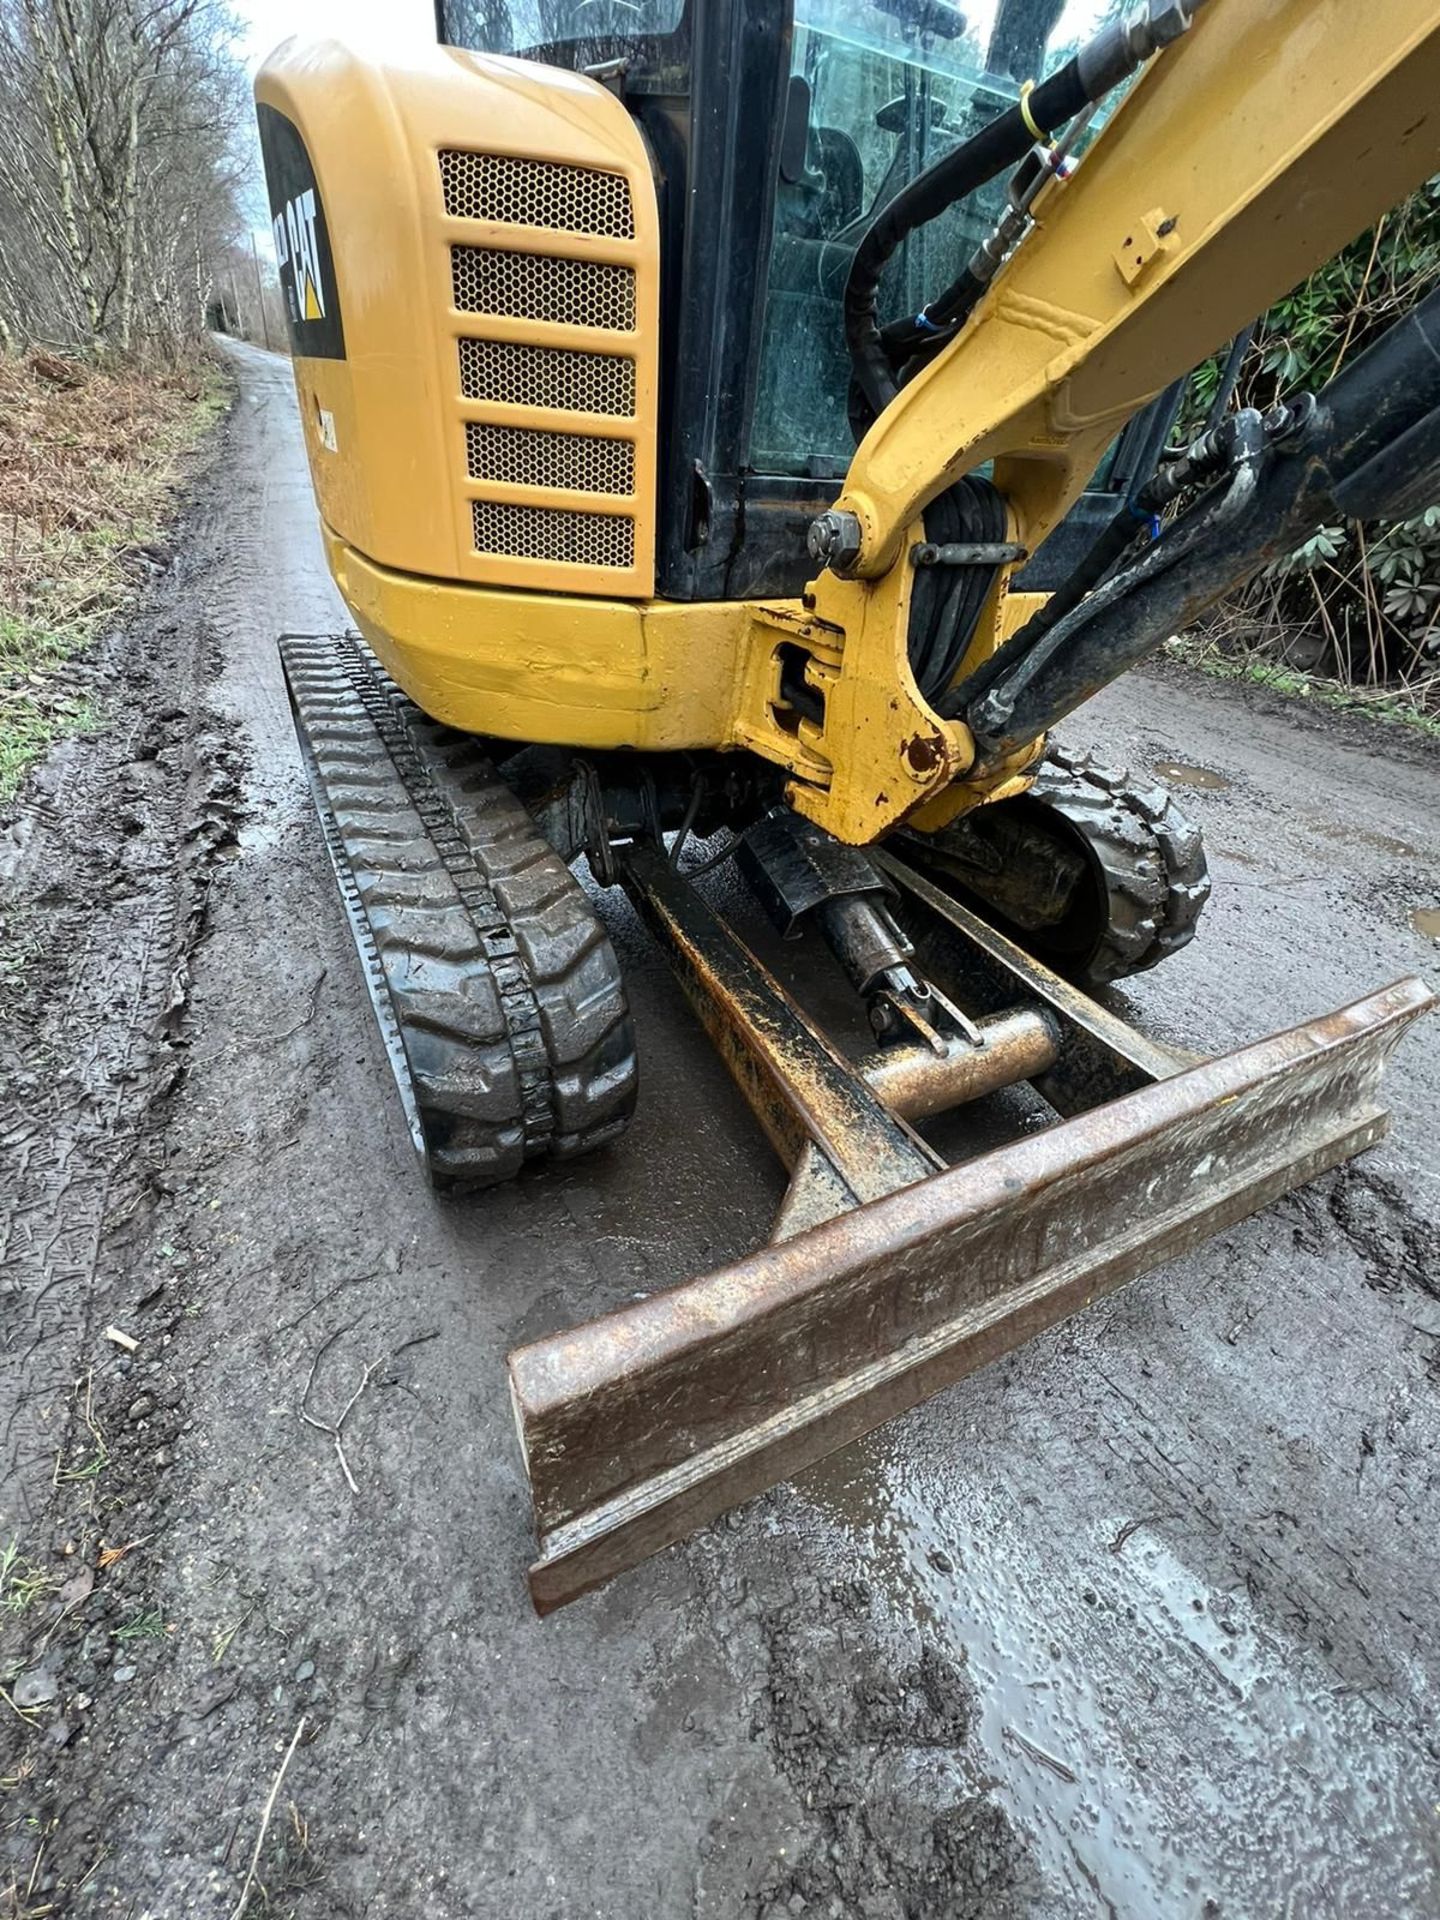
(796, 867)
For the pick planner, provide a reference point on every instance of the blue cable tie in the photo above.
(1151, 520)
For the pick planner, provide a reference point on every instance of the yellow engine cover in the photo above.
(469, 252)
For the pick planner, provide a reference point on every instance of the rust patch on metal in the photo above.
(643, 1425)
(802, 1091)
(922, 754)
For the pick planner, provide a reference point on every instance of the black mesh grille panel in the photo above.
(537, 193)
(535, 286)
(554, 533)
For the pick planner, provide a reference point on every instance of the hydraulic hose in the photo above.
(1230, 375)
(1053, 674)
(945, 601)
(1237, 442)
(1112, 56)
(1113, 543)
(1001, 144)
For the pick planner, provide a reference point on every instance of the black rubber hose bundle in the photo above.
(1241, 434)
(1112, 56)
(945, 602)
(1001, 144)
(1114, 542)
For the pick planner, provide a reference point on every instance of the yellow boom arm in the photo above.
(1245, 155)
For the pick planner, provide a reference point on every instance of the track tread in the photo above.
(498, 992)
(1151, 855)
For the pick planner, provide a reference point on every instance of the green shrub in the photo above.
(1359, 602)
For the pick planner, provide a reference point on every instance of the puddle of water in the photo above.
(1348, 833)
(1040, 1727)
(1426, 920)
(1125, 1820)
(1179, 773)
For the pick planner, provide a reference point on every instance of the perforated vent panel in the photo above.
(552, 453)
(554, 533)
(537, 193)
(535, 457)
(532, 286)
(570, 382)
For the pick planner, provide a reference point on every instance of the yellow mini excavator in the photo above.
(741, 430)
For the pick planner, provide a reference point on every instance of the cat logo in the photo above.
(303, 254)
(295, 247)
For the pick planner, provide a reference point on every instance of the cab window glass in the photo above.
(513, 26)
(879, 90)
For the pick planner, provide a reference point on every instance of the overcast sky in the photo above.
(268, 22)
(265, 23)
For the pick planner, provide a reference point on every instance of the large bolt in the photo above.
(834, 540)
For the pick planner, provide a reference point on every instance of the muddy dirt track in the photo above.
(1140, 1623)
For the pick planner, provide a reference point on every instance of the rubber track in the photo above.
(1151, 857)
(496, 987)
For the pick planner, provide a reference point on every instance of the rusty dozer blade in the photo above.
(891, 1276)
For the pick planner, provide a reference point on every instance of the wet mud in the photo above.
(1138, 1623)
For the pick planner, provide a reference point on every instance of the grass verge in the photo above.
(89, 463)
(1388, 705)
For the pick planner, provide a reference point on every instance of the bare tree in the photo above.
(119, 178)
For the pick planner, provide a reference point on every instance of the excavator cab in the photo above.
(777, 134)
(741, 431)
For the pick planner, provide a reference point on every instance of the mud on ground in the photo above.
(1140, 1622)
